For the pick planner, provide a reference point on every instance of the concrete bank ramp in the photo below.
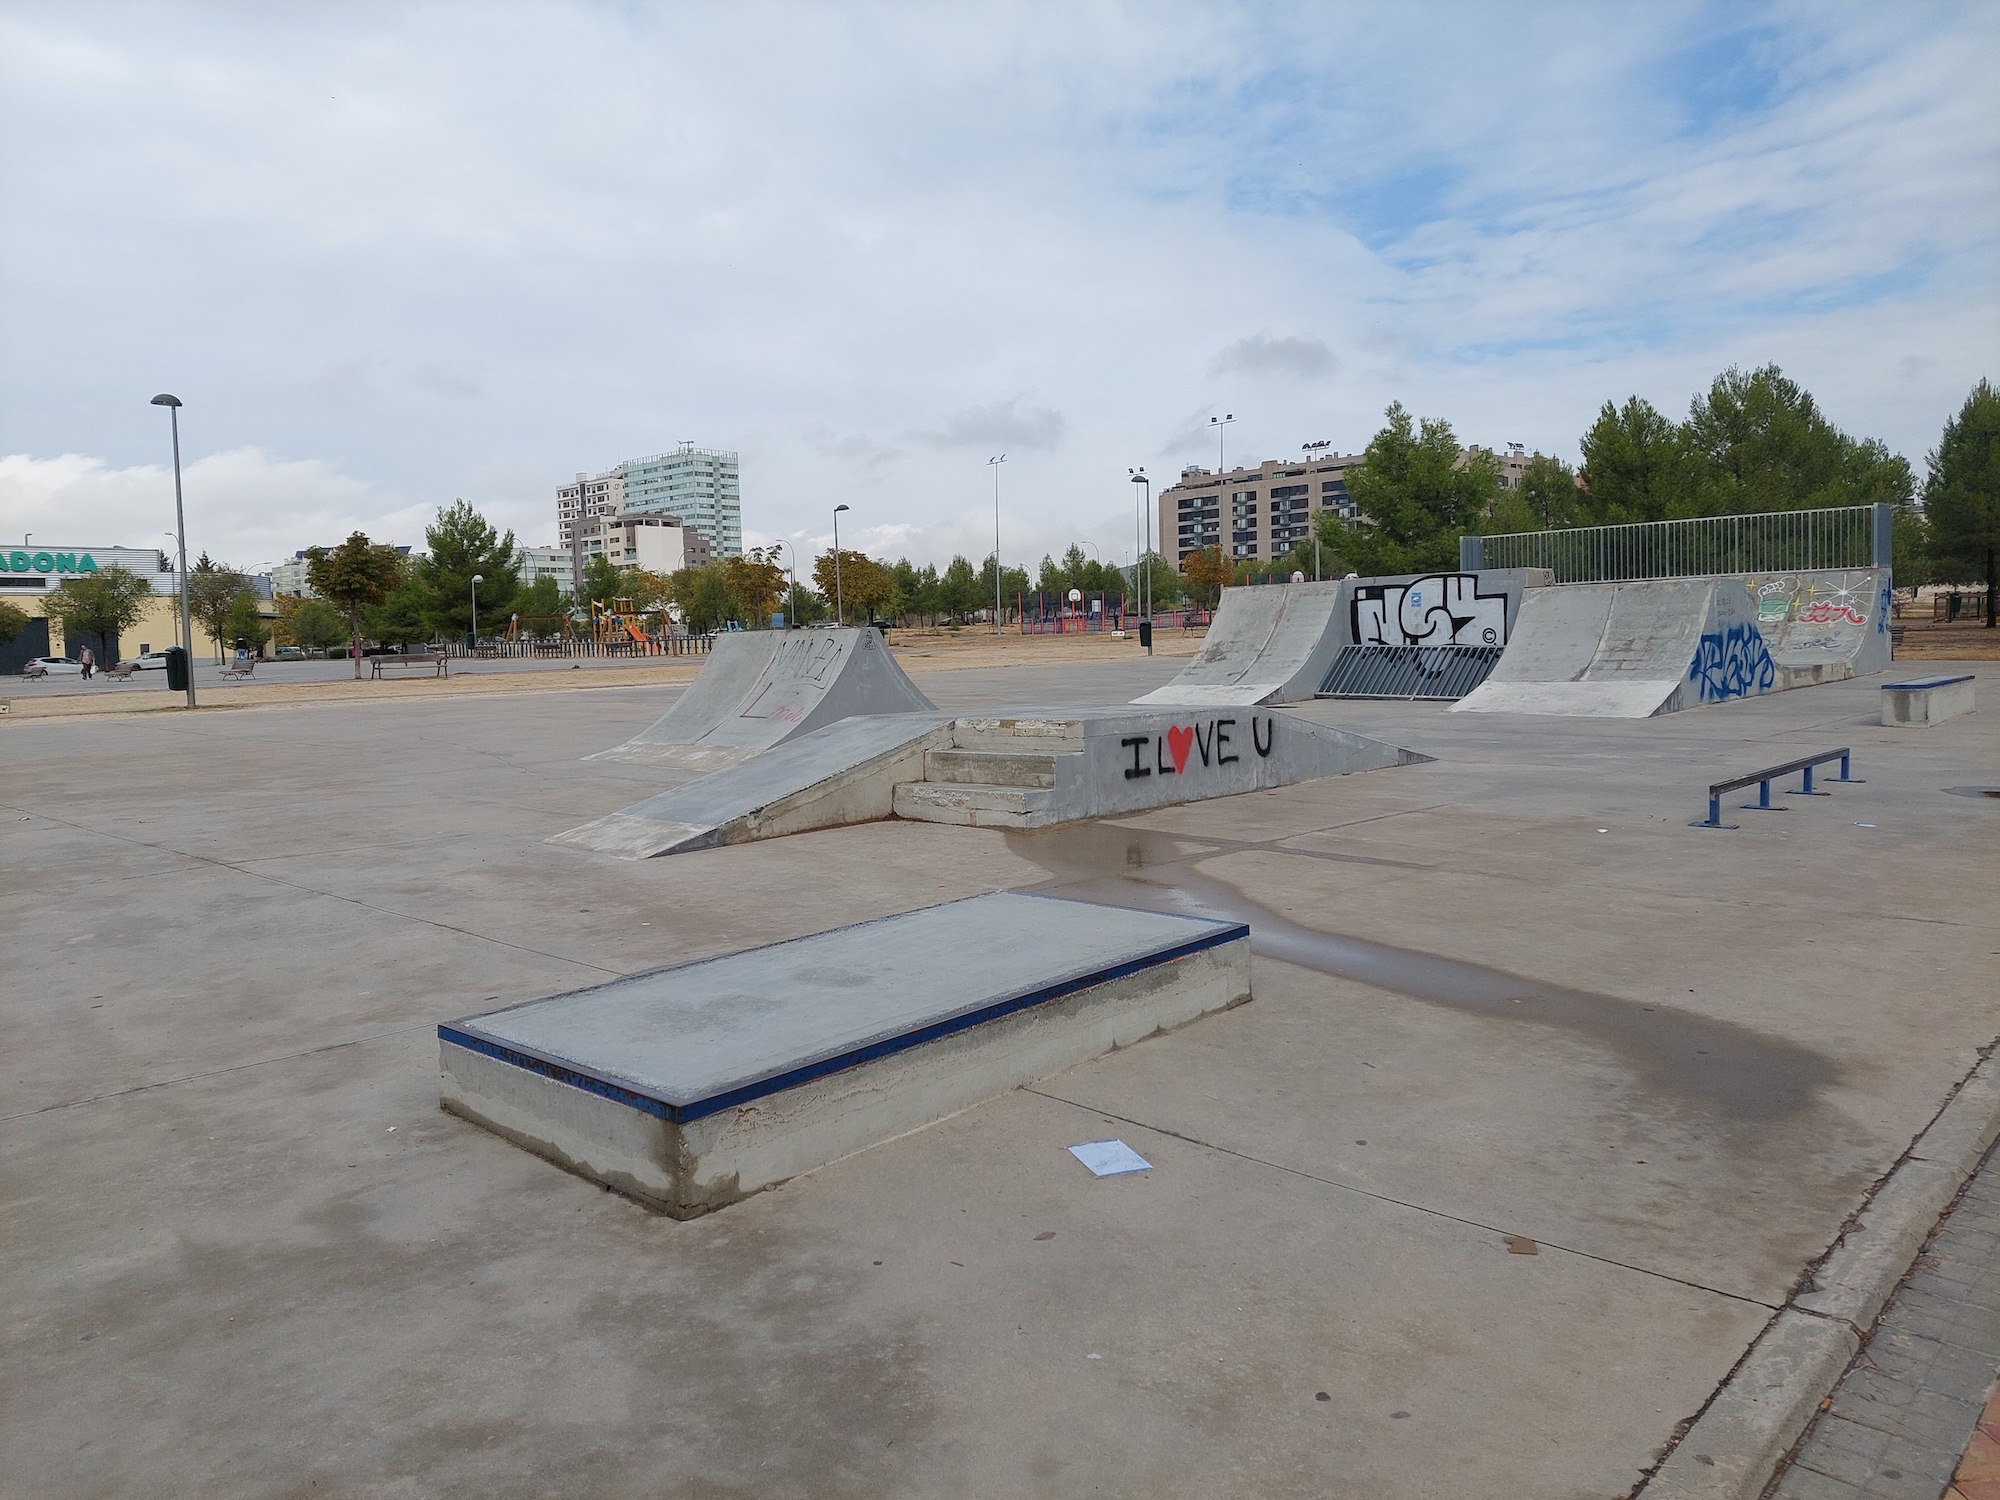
(1028, 768)
(1634, 650)
(1269, 643)
(760, 688)
(693, 1087)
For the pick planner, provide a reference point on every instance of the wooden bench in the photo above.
(1924, 701)
(434, 660)
(122, 671)
(240, 669)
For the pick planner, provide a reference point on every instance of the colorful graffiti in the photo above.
(1441, 609)
(1732, 662)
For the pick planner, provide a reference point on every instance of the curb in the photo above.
(1764, 1404)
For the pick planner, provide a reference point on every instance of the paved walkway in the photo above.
(1914, 1406)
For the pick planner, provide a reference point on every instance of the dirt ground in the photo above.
(1962, 640)
(917, 650)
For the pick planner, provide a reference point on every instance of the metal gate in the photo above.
(1446, 672)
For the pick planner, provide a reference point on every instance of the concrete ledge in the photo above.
(1857, 1278)
(1924, 701)
(691, 1088)
(1759, 1412)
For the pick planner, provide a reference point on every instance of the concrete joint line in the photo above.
(1763, 1405)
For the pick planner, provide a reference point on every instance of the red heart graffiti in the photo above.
(1179, 742)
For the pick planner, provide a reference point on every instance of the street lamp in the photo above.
(477, 579)
(1142, 575)
(839, 608)
(994, 464)
(173, 405)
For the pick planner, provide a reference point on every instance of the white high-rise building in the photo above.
(700, 486)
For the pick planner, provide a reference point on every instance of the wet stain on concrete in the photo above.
(1719, 1066)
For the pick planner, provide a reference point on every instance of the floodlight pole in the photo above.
(994, 464)
(1142, 574)
(173, 406)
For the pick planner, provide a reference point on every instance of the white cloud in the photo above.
(438, 250)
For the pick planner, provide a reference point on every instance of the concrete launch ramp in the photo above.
(1633, 650)
(761, 688)
(1267, 644)
(1028, 768)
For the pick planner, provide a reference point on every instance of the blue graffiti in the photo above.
(1732, 663)
(1882, 609)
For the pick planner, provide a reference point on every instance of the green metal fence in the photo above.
(1855, 536)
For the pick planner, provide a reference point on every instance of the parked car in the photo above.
(147, 661)
(289, 653)
(51, 666)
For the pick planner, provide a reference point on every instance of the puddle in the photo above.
(1718, 1065)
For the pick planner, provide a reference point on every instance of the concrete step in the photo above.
(974, 806)
(973, 732)
(991, 767)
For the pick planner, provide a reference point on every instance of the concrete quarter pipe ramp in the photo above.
(1269, 644)
(1633, 650)
(761, 688)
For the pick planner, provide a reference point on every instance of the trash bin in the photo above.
(177, 669)
(1146, 634)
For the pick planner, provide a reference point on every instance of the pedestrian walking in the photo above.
(89, 662)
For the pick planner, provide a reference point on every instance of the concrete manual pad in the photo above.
(694, 1086)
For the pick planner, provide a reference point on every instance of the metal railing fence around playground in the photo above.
(1785, 541)
(578, 645)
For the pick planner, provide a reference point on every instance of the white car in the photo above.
(50, 666)
(148, 660)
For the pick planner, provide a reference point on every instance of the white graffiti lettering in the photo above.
(1441, 609)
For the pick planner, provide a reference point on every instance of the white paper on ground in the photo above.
(1109, 1158)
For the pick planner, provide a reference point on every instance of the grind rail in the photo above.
(1762, 781)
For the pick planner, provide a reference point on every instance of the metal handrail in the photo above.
(1762, 781)
(1857, 536)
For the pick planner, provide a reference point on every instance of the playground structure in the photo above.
(616, 621)
(1068, 612)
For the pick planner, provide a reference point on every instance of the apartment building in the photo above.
(701, 487)
(545, 562)
(1257, 514)
(659, 544)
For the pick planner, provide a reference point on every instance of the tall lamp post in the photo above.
(792, 605)
(1142, 573)
(173, 405)
(477, 579)
(839, 609)
(994, 464)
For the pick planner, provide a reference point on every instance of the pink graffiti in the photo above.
(1828, 612)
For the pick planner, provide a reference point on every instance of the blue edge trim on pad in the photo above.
(622, 1091)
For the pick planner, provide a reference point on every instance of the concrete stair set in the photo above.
(996, 775)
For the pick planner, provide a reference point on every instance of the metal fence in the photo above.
(1783, 541)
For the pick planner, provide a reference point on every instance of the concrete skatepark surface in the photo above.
(1267, 644)
(1507, 993)
(1634, 650)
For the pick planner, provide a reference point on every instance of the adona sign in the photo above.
(47, 562)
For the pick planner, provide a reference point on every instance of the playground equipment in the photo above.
(619, 620)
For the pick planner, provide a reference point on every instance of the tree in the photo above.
(353, 577)
(1418, 493)
(756, 582)
(602, 581)
(862, 586)
(12, 621)
(703, 597)
(1205, 573)
(244, 623)
(1635, 467)
(1013, 584)
(462, 543)
(540, 605)
(1547, 493)
(1962, 493)
(101, 605)
(304, 621)
(212, 590)
(958, 589)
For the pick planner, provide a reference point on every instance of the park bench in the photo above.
(240, 669)
(434, 660)
(122, 671)
(34, 671)
(1924, 701)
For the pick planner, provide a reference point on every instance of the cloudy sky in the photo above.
(392, 254)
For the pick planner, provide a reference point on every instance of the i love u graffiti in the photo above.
(1211, 744)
